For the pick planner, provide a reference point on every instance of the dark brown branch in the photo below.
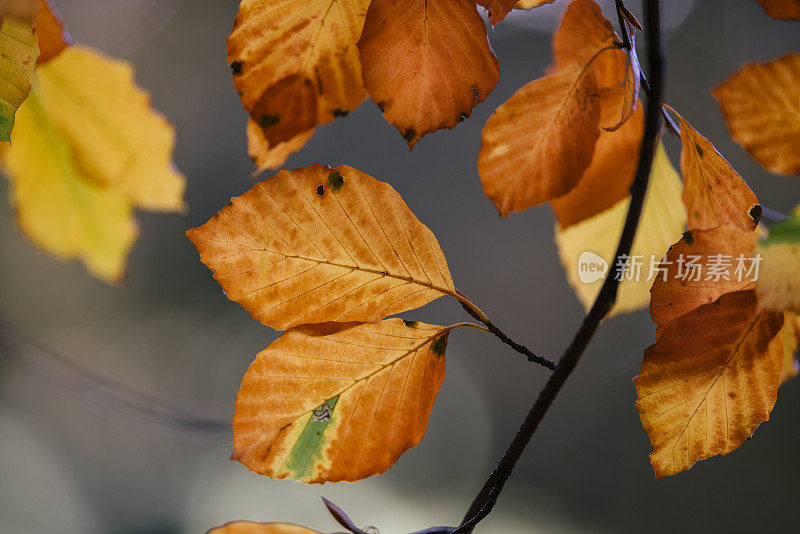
(487, 497)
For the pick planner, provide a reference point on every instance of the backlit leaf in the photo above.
(761, 103)
(321, 244)
(52, 37)
(530, 4)
(663, 220)
(700, 268)
(19, 50)
(333, 402)
(778, 285)
(633, 85)
(268, 157)
(248, 527)
(426, 63)
(791, 339)
(713, 192)
(781, 9)
(709, 381)
(537, 145)
(498, 9)
(295, 62)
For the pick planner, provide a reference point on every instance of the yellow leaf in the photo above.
(791, 339)
(662, 223)
(761, 104)
(778, 285)
(321, 244)
(56, 206)
(248, 527)
(19, 50)
(709, 381)
(426, 63)
(537, 145)
(333, 402)
(781, 9)
(271, 157)
(116, 137)
(530, 4)
(52, 36)
(295, 63)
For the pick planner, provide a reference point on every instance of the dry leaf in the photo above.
(19, 51)
(610, 174)
(266, 157)
(426, 63)
(696, 272)
(778, 285)
(321, 244)
(791, 339)
(295, 64)
(633, 85)
(333, 402)
(249, 527)
(498, 9)
(709, 381)
(761, 104)
(52, 36)
(537, 145)
(713, 192)
(663, 220)
(781, 9)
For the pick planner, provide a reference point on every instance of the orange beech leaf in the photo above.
(583, 32)
(700, 268)
(321, 244)
(713, 192)
(51, 33)
(338, 401)
(295, 64)
(781, 9)
(426, 63)
(633, 85)
(761, 104)
(791, 340)
(610, 174)
(271, 157)
(709, 381)
(498, 9)
(248, 527)
(537, 145)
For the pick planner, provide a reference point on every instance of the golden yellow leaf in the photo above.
(778, 285)
(713, 192)
(709, 381)
(791, 339)
(51, 32)
(530, 4)
(426, 63)
(295, 62)
(781, 9)
(268, 157)
(700, 268)
(249, 527)
(56, 206)
(537, 145)
(610, 174)
(761, 104)
(19, 50)
(321, 244)
(338, 401)
(116, 137)
(663, 220)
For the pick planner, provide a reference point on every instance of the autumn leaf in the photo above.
(271, 157)
(778, 285)
(761, 104)
(662, 222)
(19, 50)
(321, 244)
(781, 9)
(537, 145)
(18, 9)
(52, 36)
(700, 268)
(530, 4)
(499, 9)
(791, 339)
(426, 63)
(709, 381)
(609, 176)
(296, 65)
(249, 527)
(713, 192)
(333, 402)
(633, 86)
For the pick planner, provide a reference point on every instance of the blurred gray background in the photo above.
(73, 459)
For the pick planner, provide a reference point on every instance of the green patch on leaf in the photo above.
(785, 232)
(307, 451)
(410, 134)
(439, 345)
(688, 237)
(269, 120)
(410, 324)
(19, 50)
(335, 180)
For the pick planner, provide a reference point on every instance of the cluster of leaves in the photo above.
(87, 147)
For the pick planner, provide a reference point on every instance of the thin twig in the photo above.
(487, 497)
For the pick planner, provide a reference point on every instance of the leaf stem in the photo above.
(487, 497)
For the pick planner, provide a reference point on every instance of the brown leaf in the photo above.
(333, 402)
(713, 192)
(271, 157)
(761, 104)
(537, 145)
(498, 9)
(295, 65)
(709, 381)
(249, 527)
(321, 244)
(427, 63)
(51, 33)
(781, 9)
(610, 174)
(695, 271)
(633, 85)
(22, 10)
